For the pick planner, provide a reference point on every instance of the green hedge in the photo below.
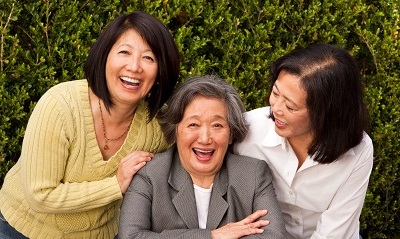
(46, 42)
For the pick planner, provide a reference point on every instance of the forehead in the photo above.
(205, 106)
(130, 36)
(291, 88)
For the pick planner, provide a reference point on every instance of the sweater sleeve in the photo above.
(45, 153)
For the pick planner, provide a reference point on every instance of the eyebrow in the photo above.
(125, 44)
(214, 117)
(130, 46)
(287, 98)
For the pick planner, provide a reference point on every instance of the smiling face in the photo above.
(203, 139)
(288, 103)
(131, 69)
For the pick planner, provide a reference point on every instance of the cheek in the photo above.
(271, 100)
(223, 139)
(302, 124)
(153, 71)
(185, 138)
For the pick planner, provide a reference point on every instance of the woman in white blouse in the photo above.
(313, 138)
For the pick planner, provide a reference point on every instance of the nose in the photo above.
(277, 105)
(204, 136)
(134, 65)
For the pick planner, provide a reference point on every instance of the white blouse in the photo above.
(317, 200)
(202, 196)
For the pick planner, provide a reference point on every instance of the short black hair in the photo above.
(161, 43)
(331, 79)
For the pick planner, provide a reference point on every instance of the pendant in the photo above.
(105, 147)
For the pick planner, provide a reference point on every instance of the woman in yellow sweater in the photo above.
(87, 138)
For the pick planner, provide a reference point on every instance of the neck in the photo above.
(117, 114)
(204, 182)
(300, 148)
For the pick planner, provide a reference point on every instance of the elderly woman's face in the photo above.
(203, 137)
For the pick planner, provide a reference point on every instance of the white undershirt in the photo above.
(202, 201)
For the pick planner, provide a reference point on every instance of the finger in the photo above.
(138, 166)
(251, 229)
(141, 153)
(142, 156)
(259, 223)
(254, 216)
(136, 158)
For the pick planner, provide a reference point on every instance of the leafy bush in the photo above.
(46, 42)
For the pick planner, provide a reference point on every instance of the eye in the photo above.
(124, 52)
(149, 58)
(274, 93)
(192, 125)
(290, 109)
(220, 125)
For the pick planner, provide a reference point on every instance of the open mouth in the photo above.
(280, 122)
(129, 81)
(203, 154)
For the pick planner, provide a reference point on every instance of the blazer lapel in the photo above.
(218, 205)
(184, 200)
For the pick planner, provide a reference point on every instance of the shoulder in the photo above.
(159, 165)
(63, 97)
(66, 93)
(367, 141)
(261, 131)
(363, 151)
(142, 116)
(258, 112)
(258, 117)
(360, 156)
(247, 174)
(364, 146)
(240, 164)
(69, 86)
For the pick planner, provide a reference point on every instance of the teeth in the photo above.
(203, 151)
(280, 122)
(130, 80)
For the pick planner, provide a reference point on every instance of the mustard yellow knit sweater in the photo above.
(61, 187)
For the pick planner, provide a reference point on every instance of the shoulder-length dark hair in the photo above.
(210, 86)
(338, 115)
(161, 43)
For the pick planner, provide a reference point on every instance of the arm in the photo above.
(265, 198)
(44, 156)
(266, 221)
(341, 220)
(249, 227)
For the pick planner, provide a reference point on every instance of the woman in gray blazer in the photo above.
(197, 188)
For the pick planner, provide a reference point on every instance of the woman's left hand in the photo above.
(129, 166)
(251, 225)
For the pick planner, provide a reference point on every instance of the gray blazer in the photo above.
(160, 201)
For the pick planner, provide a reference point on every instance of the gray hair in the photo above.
(210, 86)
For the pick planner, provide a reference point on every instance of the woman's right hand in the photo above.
(129, 166)
(248, 226)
